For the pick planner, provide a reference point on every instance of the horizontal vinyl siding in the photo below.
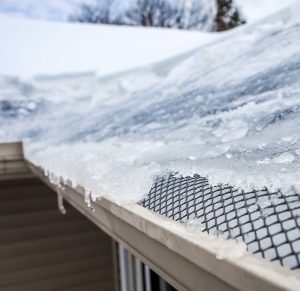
(40, 249)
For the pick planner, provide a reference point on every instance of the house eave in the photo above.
(184, 256)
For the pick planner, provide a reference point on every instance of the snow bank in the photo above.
(32, 48)
(229, 111)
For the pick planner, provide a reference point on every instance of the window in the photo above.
(136, 276)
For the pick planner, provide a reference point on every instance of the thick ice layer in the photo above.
(230, 112)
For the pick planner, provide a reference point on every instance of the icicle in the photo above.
(60, 201)
(88, 200)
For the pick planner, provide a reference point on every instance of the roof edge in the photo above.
(186, 257)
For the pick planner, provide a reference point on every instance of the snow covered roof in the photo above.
(228, 111)
(47, 48)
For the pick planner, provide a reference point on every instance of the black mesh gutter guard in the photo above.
(269, 223)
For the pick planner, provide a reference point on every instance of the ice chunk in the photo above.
(233, 250)
(284, 158)
(264, 161)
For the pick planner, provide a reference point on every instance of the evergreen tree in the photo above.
(228, 16)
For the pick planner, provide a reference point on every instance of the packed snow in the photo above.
(228, 111)
(39, 47)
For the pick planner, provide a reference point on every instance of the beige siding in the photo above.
(41, 249)
(12, 163)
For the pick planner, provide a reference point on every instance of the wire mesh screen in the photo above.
(269, 223)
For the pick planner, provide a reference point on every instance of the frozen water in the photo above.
(60, 201)
(233, 250)
(285, 158)
(228, 111)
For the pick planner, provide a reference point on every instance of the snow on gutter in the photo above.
(186, 257)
